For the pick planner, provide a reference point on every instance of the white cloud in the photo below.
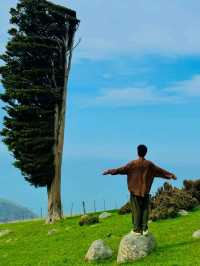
(130, 27)
(187, 88)
(179, 92)
(133, 27)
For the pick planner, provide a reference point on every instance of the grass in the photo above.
(30, 245)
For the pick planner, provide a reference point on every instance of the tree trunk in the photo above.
(54, 189)
(54, 201)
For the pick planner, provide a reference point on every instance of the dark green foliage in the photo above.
(88, 220)
(34, 77)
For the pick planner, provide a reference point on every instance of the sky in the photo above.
(135, 79)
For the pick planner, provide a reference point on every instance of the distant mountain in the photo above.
(10, 211)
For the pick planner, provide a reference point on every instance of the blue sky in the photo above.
(135, 79)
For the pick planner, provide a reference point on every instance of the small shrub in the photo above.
(184, 200)
(163, 213)
(88, 220)
(125, 209)
(169, 200)
(193, 187)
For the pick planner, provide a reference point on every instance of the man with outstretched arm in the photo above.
(140, 174)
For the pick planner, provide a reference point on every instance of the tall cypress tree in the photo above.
(35, 75)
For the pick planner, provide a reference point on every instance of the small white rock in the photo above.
(196, 234)
(183, 212)
(4, 232)
(104, 215)
(52, 232)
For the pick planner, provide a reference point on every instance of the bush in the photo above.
(88, 220)
(193, 187)
(169, 200)
(125, 209)
(184, 200)
(163, 213)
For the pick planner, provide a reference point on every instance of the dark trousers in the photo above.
(140, 211)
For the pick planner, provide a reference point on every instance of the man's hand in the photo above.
(173, 177)
(107, 172)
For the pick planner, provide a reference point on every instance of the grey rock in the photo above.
(104, 215)
(196, 234)
(133, 247)
(183, 212)
(4, 232)
(98, 251)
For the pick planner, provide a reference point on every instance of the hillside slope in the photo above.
(10, 211)
(30, 244)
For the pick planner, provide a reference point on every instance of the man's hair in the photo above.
(142, 150)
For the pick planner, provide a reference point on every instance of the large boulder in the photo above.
(133, 247)
(98, 251)
(104, 215)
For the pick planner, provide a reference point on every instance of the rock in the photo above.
(183, 212)
(104, 215)
(52, 232)
(4, 232)
(88, 220)
(196, 234)
(134, 247)
(98, 251)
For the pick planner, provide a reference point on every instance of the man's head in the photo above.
(142, 150)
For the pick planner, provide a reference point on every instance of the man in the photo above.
(140, 173)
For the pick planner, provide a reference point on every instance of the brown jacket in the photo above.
(140, 174)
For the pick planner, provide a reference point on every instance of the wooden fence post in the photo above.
(84, 210)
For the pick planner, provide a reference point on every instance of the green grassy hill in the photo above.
(29, 243)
